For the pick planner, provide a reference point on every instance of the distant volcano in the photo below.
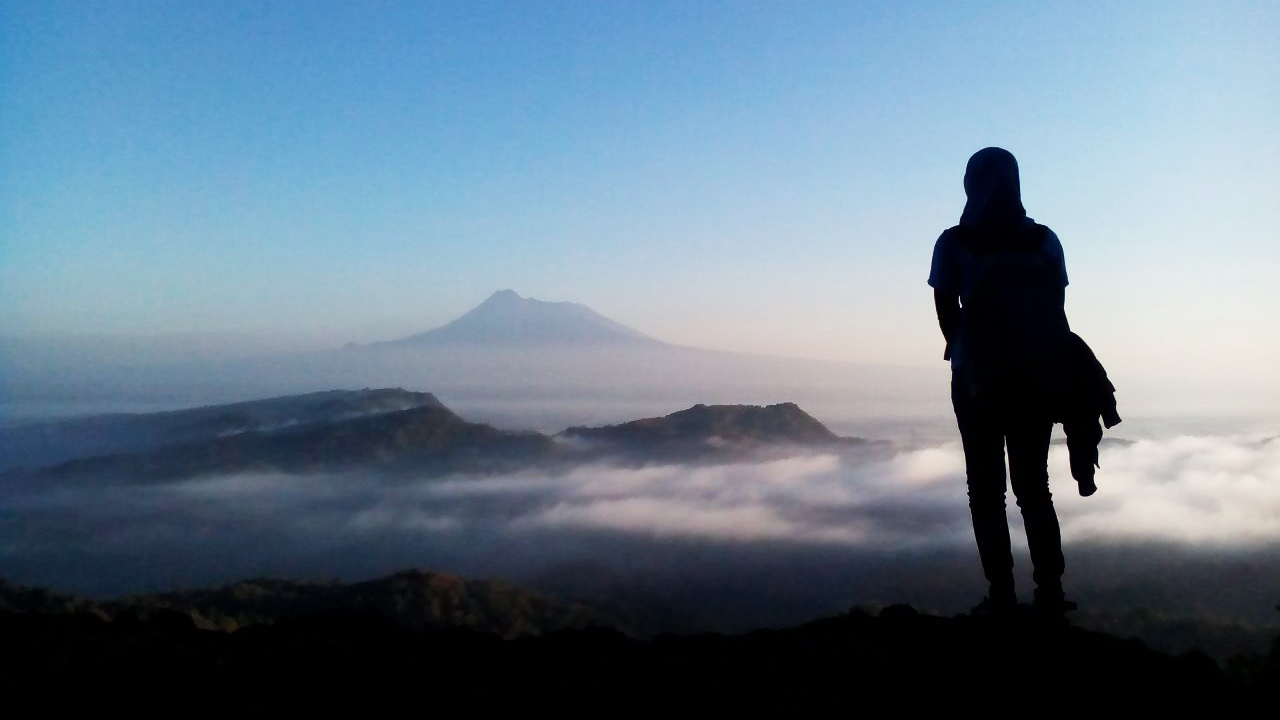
(508, 319)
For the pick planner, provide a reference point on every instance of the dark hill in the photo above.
(711, 430)
(413, 600)
(339, 431)
(46, 443)
(361, 658)
(429, 439)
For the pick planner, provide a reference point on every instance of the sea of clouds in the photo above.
(1220, 492)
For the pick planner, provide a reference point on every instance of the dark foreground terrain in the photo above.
(363, 656)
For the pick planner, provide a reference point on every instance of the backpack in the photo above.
(1013, 325)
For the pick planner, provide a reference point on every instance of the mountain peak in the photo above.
(507, 295)
(506, 318)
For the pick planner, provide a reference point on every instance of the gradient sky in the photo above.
(767, 176)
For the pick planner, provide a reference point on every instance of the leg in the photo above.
(984, 466)
(1028, 472)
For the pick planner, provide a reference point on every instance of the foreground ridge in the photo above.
(363, 657)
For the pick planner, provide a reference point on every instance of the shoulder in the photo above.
(1050, 238)
(950, 241)
(944, 271)
(1051, 248)
(1049, 241)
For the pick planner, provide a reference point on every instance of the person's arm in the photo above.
(942, 278)
(948, 306)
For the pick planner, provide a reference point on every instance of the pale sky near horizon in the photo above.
(758, 176)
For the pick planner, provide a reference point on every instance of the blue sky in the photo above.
(765, 176)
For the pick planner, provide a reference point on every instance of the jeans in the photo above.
(986, 428)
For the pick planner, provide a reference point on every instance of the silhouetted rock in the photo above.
(418, 634)
(359, 659)
(413, 599)
(23, 599)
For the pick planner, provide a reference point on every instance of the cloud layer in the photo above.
(1209, 493)
(1214, 490)
(1221, 491)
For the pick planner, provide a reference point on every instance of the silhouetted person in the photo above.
(999, 284)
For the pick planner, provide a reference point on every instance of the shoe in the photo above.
(993, 608)
(1052, 603)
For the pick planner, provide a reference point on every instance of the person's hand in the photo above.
(1087, 487)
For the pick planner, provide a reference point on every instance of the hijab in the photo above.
(994, 194)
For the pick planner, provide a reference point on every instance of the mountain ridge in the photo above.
(414, 599)
(43, 443)
(430, 439)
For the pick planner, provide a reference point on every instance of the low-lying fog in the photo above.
(1183, 524)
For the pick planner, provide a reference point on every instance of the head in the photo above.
(993, 191)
